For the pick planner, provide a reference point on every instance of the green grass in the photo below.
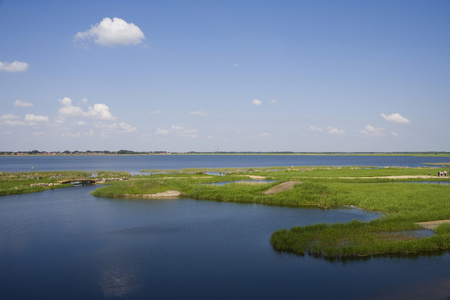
(405, 204)
(356, 239)
(442, 164)
(29, 182)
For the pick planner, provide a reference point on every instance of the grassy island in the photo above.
(12, 183)
(406, 196)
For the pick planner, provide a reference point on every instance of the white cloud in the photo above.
(201, 113)
(113, 32)
(96, 117)
(273, 101)
(395, 118)
(23, 103)
(7, 117)
(176, 128)
(99, 111)
(318, 129)
(10, 119)
(13, 122)
(256, 102)
(160, 131)
(35, 118)
(126, 127)
(179, 131)
(370, 130)
(105, 125)
(335, 131)
(71, 121)
(185, 133)
(68, 109)
(263, 135)
(15, 66)
(155, 112)
(66, 101)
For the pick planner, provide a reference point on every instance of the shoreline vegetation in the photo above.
(395, 192)
(131, 152)
(12, 183)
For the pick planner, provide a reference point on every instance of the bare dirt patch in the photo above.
(166, 194)
(285, 186)
(257, 177)
(432, 224)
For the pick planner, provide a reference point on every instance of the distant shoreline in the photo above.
(128, 152)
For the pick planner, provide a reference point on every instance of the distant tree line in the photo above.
(76, 152)
(131, 152)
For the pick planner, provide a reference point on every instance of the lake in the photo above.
(136, 163)
(67, 244)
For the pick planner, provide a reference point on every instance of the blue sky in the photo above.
(225, 75)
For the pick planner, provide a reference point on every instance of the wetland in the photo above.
(232, 240)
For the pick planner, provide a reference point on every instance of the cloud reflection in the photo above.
(117, 280)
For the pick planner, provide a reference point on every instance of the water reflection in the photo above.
(427, 289)
(117, 279)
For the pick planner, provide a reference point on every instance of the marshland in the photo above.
(392, 191)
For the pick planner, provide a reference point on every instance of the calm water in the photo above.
(67, 244)
(135, 163)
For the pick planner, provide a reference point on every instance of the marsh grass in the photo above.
(160, 182)
(356, 239)
(442, 164)
(405, 204)
(28, 182)
(133, 187)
